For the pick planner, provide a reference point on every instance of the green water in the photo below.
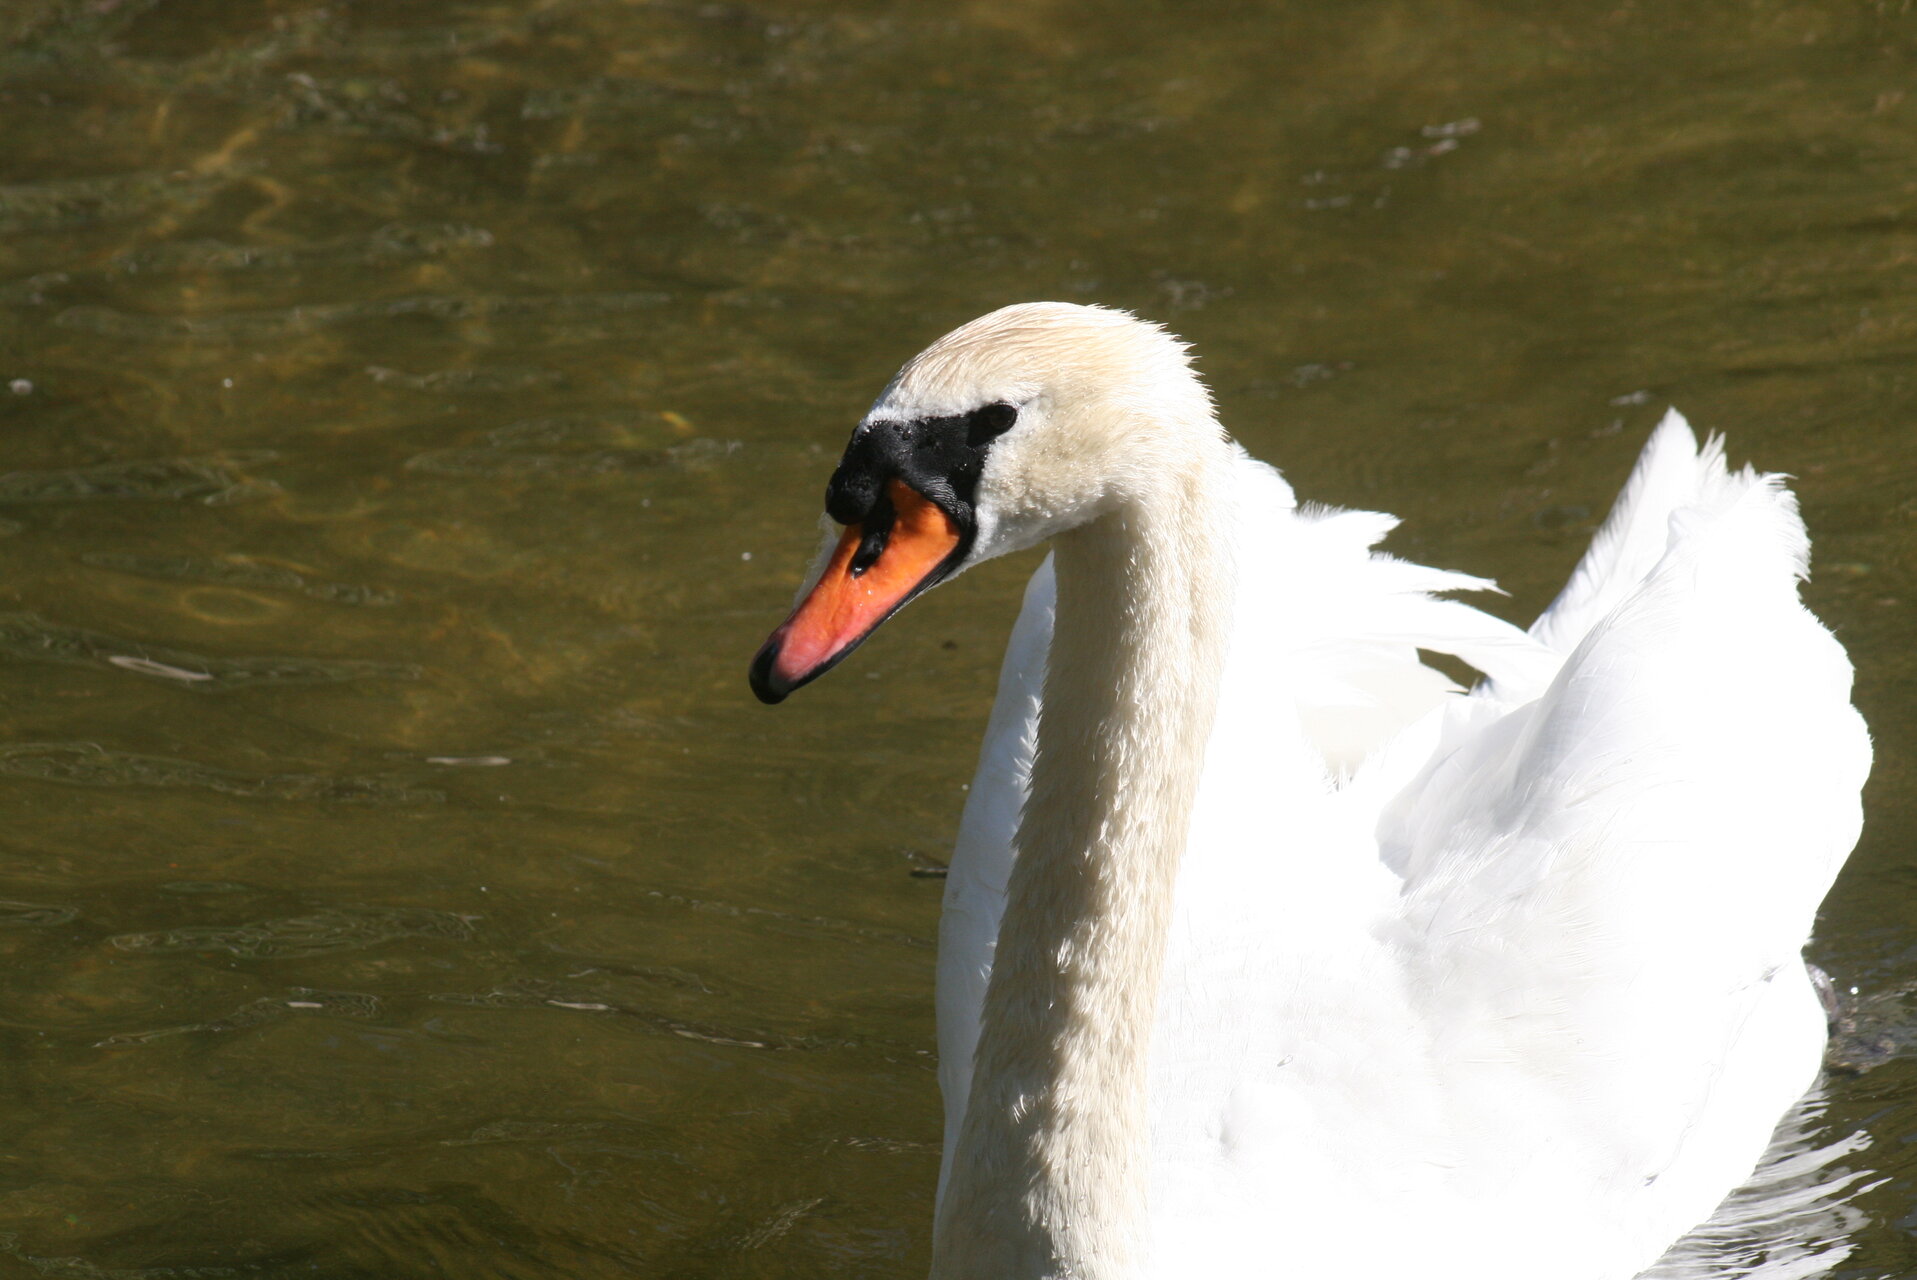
(418, 414)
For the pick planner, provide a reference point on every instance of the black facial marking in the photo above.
(878, 530)
(941, 458)
(987, 424)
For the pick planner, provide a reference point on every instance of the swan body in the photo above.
(1268, 952)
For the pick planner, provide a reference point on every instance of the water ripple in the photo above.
(327, 929)
(568, 446)
(214, 481)
(298, 1002)
(237, 573)
(1792, 1220)
(33, 915)
(532, 993)
(609, 96)
(527, 1131)
(32, 638)
(77, 1268)
(83, 202)
(88, 764)
(802, 923)
(284, 322)
(394, 242)
(466, 381)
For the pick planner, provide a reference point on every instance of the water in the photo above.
(417, 415)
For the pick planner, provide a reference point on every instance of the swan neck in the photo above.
(1049, 1176)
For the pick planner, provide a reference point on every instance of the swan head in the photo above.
(1016, 427)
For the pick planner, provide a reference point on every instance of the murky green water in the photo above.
(418, 414)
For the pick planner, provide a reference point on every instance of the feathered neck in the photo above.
(1050, 1169)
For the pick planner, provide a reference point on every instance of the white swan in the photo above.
(1266, 952)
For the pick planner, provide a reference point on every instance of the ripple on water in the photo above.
(390, 244)
(32, 638)
(480, 381)
(216, 481)
(1793, 1220)
(34, 915)
(87, 764)
(829, 926)
(527, 1131)
(72, 203)
(308, 318)
(617, 97)
(777, 1223)
(327, 929)
(297, 1002)
(536, 993)
(557, 446)
(237, 571)
(344, 105)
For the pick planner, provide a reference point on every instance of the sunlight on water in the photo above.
(1794, 1219)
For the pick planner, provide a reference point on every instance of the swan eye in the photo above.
(991, 421)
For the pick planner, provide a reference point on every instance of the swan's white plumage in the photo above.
(1594, 943)
(1504, 985)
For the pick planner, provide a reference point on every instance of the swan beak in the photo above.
(906, 545)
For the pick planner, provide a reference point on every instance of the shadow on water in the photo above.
(417, 415)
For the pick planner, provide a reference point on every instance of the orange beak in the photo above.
(856, 593)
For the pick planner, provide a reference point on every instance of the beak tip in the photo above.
(767, 687)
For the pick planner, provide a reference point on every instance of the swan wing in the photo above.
(1341, 623)
(1671, 474)
(1606, 890)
